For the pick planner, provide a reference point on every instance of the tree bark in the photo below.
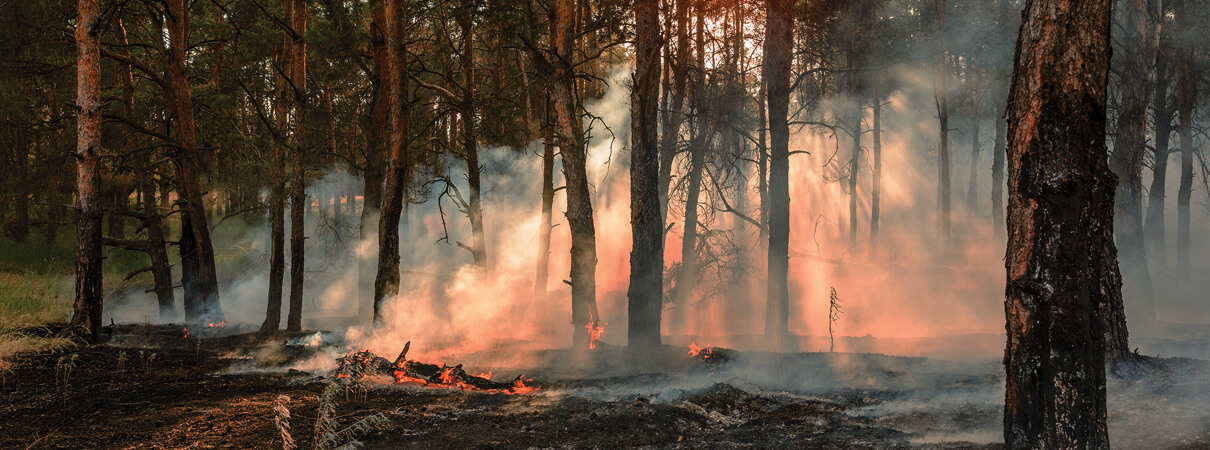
(542, 276)
(998, 174)
(386, 283)
(1060, 260)
(86, 313)
(377, 136)
(277, 189)
(1139, 40)
(876, 189)
(676, 113)
(298, 182)
(584, 317)
(779, 40)
(198, 276)
(1162, 112)
(647, 255)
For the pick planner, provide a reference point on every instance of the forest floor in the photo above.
(150, 387)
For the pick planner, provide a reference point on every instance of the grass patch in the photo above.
(14, 342)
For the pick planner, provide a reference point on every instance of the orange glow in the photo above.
(694, 350)
(220, 324)
(186, 333)
(594, 333)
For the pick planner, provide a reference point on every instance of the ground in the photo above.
(153, 388)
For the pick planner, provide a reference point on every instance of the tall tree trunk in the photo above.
(1154, 226)
(1187, 79)
(1061, 271)
(584, 317)
(876, 190)
(779, 39)
(475, 208)
(277, 189)
(377, 137)
(298, 182)
(972, 187)
(548, 201)
(676, 113)
(86, 314)
(1139, 38)
(854, 162)
(161, 271)
(697, 160)
(201, 285)
(386, 283)
(647, 254)
(943, 119)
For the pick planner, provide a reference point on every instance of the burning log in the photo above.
(364, 363)
(709, 355)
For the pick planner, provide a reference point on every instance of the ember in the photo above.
(694, 350)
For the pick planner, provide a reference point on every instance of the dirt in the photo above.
(152, 388)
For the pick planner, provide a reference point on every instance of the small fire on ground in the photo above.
(361, 364)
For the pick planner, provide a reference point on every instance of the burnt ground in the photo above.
(163, 391)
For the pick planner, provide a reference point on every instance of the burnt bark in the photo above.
(647, 255)
(1139, 40)
(1061, 268)
(542, 276)
(198, 276)
(377, 136)
(298, 182)
(386, 283)
(1187, 85)
(475, 206)
(86, 313)
(671, 136)
(779, 40)
(1162, 112)
(572, 146)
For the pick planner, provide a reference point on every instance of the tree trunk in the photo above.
(676, 113)
(1060, 260)
(475, 208)
(943, 119)
(647, 255)
(548, 200)
(298, 182)
(854, 161)
(277, 189)
(377, 137)
(86, 314)
(876, 190)
(1139, 37)
(972, 187)
(386, 283)
(201, 286)
(1187, 79)
(1163, 112)
(779, 40)
(584, 317)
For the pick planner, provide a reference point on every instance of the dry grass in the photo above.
(26, 301)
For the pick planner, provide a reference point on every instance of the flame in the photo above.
(186, 333)
(520, 388)
(594, 333)
(220, 324)
(487, 375)
(705, 352)
(447, 376)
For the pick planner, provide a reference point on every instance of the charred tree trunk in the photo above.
(542, 276)
(972, 187)
(647, 255)
(386, 283)
(584, 316)
(298, 174)
(198, 276)
(277, 191)
(1163, 112)
(86, 314)
(779, 39)
(376, 150)
(697, 160)
(1139, 38)
(943, 119)
(1061, 269)
(854, 162)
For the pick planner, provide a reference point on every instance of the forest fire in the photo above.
(362, 364)
(594, 333)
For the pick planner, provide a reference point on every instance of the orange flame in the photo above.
(520, 388)
(694, 350)
(594, 333)
(186, 333)
(220, 324)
